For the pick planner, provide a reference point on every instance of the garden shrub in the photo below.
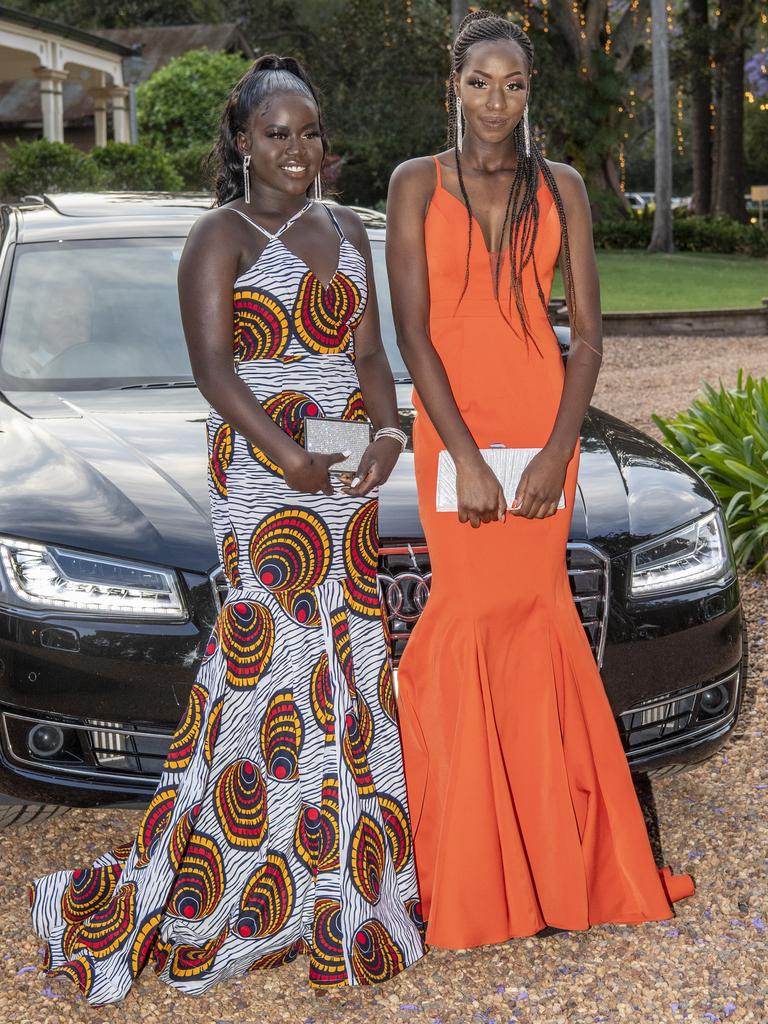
(126, 167)
(724, 436)
(691, 234)
(43, 166)
(190, 165)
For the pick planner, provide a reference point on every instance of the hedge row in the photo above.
(42, 166)
(691, 234)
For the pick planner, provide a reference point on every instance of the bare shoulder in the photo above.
(569, 182)
(212, 228)
(350, 222)
(414, 177)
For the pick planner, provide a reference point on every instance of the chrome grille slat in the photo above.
(401, 566)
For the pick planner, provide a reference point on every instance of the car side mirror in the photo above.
(563, 335)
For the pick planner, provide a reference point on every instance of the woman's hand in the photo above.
(377, 463)
(480, 498)
(540, 487)
(309, 473)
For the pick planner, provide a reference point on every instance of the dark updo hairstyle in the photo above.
(484, 27)
(267, 75)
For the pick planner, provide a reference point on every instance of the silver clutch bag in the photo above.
(327, 436)
(507, 465)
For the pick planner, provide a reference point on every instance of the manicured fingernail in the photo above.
(355, 481)
(346, 454)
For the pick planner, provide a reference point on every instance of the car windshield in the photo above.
(103, 314)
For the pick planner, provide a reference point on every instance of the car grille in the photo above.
(405, 578)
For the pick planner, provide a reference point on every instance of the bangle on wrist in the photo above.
(395, 433)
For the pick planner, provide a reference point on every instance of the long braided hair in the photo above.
(267, 75)
(522, 211)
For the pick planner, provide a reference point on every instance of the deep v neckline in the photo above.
(274, 236)
(491, 253)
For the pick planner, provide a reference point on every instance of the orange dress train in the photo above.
(522, 804)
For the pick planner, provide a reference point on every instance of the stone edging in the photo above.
(700, 322)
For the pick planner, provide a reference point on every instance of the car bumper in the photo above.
(674, 671)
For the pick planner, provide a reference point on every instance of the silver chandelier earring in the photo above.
(459, 125)
(247, 177)
(526, 132)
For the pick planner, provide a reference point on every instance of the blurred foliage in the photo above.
(180, 105)
(43, 166)
(691, 234)
(724, 436)
(125, 167)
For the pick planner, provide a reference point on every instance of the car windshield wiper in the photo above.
(160, 384)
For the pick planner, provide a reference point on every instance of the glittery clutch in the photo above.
(328, 436)
(507, 465)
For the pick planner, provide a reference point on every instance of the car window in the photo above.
(82, 312)
(94, 314)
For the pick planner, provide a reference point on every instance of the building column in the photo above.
(52, 102)
(99, 97)
(120, 126)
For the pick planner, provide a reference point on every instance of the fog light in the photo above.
(715, 700)
(45, 740)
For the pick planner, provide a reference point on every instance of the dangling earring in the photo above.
(526, 131)
(318, 188)
(459, 125)
(247, 177)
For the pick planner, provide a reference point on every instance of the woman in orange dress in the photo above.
(524, 813)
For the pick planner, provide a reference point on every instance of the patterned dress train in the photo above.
(279, 825)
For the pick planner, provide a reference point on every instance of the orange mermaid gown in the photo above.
(523, 810)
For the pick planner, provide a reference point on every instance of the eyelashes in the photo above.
(511, 86)
(282, 135)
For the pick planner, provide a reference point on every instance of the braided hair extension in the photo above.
(522, 209)
(267, 75)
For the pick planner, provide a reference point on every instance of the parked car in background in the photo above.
(109, 575)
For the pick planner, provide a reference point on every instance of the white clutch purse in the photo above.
(507, 465)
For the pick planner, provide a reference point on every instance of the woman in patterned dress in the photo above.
(279, 825)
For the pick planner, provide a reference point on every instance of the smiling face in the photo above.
(493, 87)
(285, 143)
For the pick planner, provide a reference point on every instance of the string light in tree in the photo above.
(608, 40)
(545, 15)
(622, 168)
(409, 14)
(679, 124)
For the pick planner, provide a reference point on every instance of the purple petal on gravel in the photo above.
(729, 1008)
(708, 914)
(50, 994)
(500, 990)
(522, 994)
(25, 970)
(759, 923)
(408, 1006)
(710, 1016)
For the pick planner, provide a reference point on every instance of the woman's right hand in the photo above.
(480, 498)
(309, 473)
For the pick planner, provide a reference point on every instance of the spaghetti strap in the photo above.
(281, 229)
(439, 172)
(253, 222)
(336, 224)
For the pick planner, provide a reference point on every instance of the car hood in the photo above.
(124, 472)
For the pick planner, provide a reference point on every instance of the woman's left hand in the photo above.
(540, 487)
(378, 461)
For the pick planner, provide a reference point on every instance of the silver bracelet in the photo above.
(393, 432)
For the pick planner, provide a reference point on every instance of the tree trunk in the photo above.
(700, 86)
(661, 238)
(459, 10)
(728, 197)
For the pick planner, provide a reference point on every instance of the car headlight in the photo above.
(694, 554)
(59, 579)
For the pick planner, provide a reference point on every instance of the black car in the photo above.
(109, 579)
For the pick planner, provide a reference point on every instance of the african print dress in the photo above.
(279, 825)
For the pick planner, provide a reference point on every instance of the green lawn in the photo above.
(634, 281)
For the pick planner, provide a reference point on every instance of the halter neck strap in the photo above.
(281, 229)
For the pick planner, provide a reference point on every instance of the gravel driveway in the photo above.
(708, 964)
